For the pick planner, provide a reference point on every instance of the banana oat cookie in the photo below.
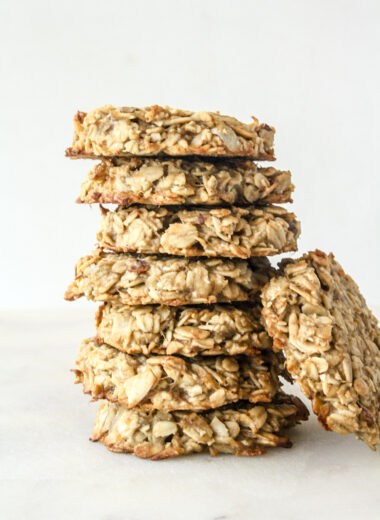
(155, 130)
(223, 232)
(317, 315)
(188, 331)
(173, 383)
(243, 429)
(172, 281)
(167, 181)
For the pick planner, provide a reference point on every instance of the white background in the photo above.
(310, 68)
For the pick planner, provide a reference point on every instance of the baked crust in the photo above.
(174, 383)
(317, 315)
(167, 181)
(188, 331)
(243, 430)
(172, 281)
(217, 232)
(155, 130)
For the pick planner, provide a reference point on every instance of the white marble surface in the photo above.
(50, 470)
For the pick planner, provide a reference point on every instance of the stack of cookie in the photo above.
(181, 355)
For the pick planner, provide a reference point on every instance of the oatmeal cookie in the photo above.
(243, 429)
(172, 281)
(155, 130)
(188, 181)
(317, 315)
(188, 331)
(217, 232)
(174, 383)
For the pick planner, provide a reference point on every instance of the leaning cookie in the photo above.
(223, 232)
(173, 383)
(210, 330)
(243, 429)
(156, 130)
(188, 181)
(317, 315)
(167, 280)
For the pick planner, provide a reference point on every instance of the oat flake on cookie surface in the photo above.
(124, 131)
(317, 315)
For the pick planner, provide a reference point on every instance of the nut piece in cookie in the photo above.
(317, 315)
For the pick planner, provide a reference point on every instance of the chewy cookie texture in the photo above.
(173, 383)
(218, 232)
(245, 429)
(317, 315)
(172, 281)
(147, 180)
(188, 331)
(156, 130)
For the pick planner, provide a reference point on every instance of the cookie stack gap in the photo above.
(181, 356)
